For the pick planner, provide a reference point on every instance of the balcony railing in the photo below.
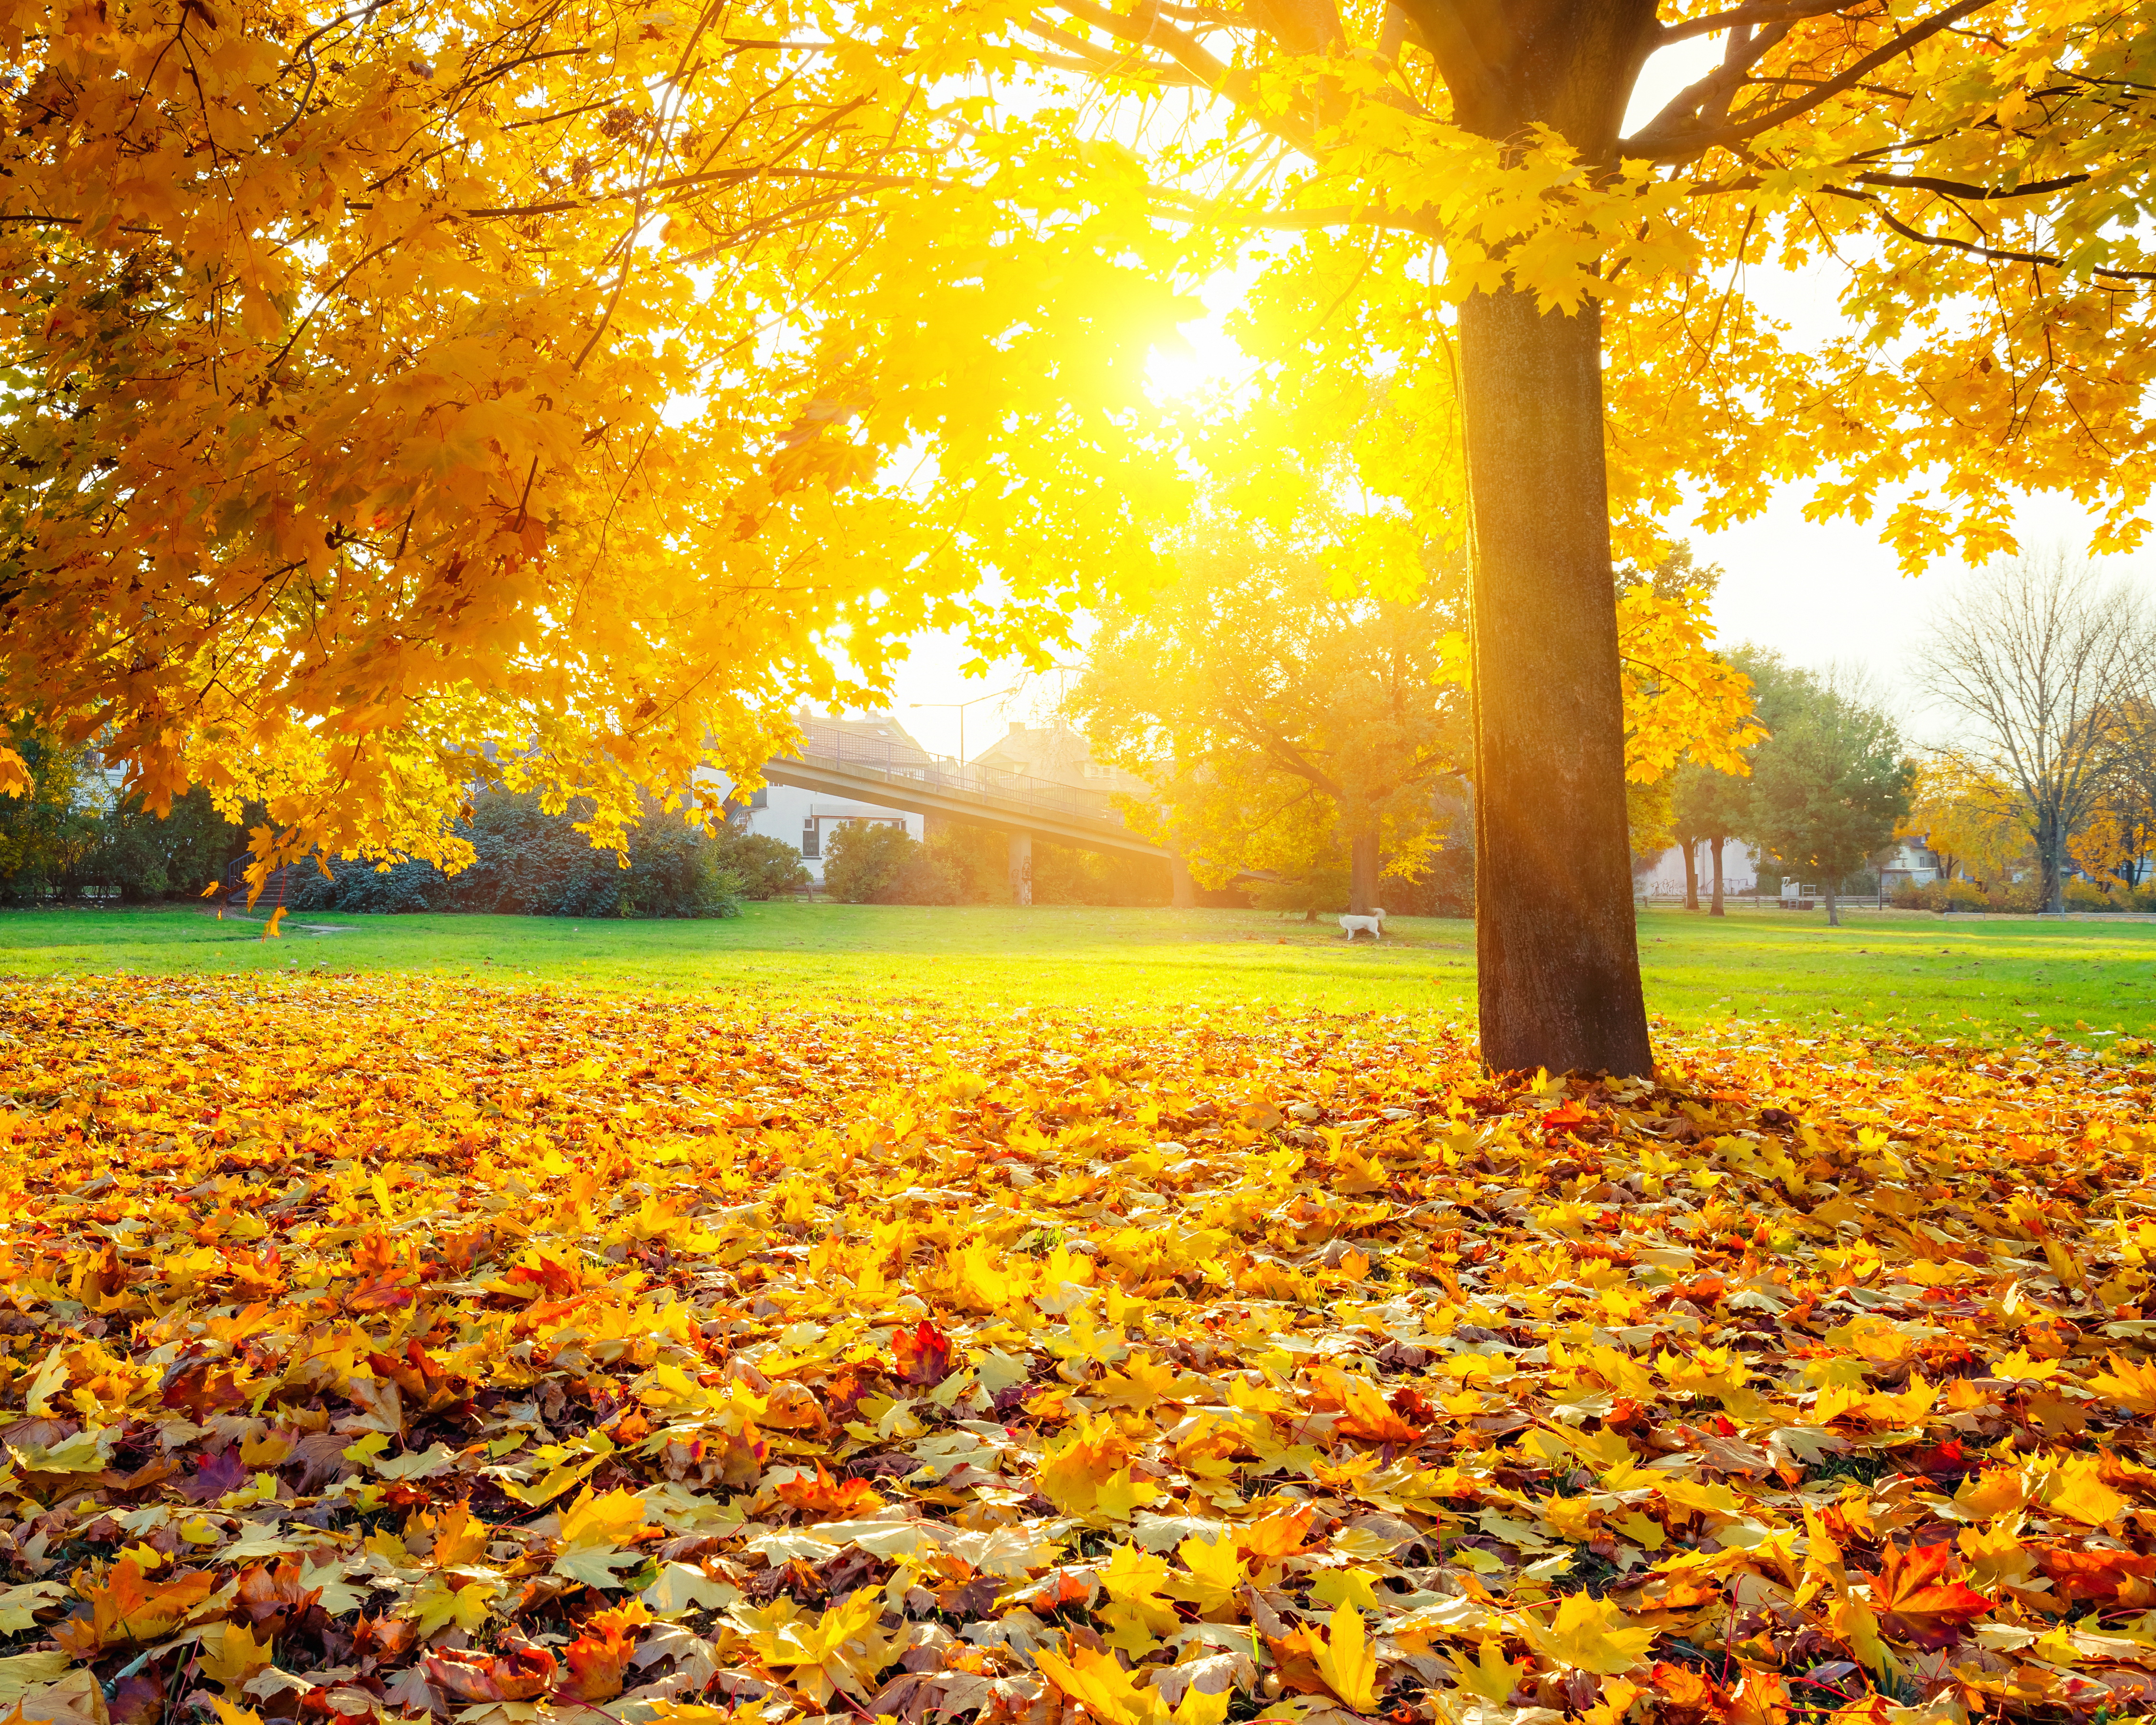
(886, 758)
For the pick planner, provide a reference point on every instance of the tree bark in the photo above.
(1362, 871)
(1833, 914)
(1692, 875)
(1715, 908)
(1556, 944)
(2049, 886)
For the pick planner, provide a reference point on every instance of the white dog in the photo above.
(1373, 925)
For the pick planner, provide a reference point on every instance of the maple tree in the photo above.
(388, 1349)
(1967, 818)
(433, 394)
(2116, 838)
(1286, 706)
(1442, 207)
(426, 396)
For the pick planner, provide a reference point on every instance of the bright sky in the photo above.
(1820, 594)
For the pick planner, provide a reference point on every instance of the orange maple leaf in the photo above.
(834, 1499)
(126, 1608)
(599, 1656)
(1918, 1594)
(518, 1675)
(2122, 1575)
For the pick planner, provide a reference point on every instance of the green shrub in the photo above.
(1941, 895)
(766, 867)
(2016, 898)
(880, 863)
(977, 858)
(529, 863)
(1063, 874)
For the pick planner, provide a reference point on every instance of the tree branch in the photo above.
(1681, 147)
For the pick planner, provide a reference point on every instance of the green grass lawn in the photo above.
(1964, 977)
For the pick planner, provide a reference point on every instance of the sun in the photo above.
(1200, 359)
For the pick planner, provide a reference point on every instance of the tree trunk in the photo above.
(1362, 871)
(2050, 892)
(1556, 944)
(1715, 908)
(1692, 875)
(1833, 914)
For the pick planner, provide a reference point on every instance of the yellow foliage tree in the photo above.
(1441, 203)
(1969, 817)
(1285, 707)
(403, 397)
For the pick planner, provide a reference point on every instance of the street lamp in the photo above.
(999, 695)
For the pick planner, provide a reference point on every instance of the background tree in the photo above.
(49, 827)
(2115, 841)
(1832, 786)
(1967, 818)
(1712, 807)
(2042, 662)
(1285, 708)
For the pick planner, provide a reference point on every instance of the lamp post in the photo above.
(961, 705)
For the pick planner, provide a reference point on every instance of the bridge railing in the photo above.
(882, 756)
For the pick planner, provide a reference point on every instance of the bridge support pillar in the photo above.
(1021, 867)
(1184, 889)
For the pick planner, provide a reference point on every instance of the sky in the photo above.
(1820, 594)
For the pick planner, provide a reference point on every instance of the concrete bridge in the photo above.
(889, 774)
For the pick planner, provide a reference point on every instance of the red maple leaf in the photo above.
(923, 1353)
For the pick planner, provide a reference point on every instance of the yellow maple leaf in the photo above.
(1345, 1587)
(2074, 1489)
(2128, 1383)
(1098, 1682)
(1589, 1634)
(1212, 1580)
(1347, 1660)
(608, 1520)
(841, 1649)
(231, 1656)
(1491, 1675)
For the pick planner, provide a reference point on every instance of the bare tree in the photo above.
(2042, 660)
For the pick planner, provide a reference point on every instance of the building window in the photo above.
(811, 846)
(1094, 769)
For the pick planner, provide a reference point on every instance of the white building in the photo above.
(806, 819)
(1665, 877)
